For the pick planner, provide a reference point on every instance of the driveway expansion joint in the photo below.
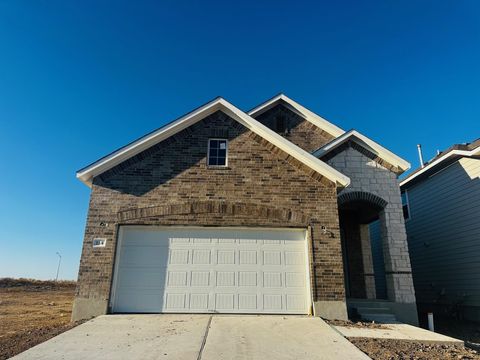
(204, 341)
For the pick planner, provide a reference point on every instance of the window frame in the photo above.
(407, 204)
(226, 153)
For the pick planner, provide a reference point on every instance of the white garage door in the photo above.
(227, 270)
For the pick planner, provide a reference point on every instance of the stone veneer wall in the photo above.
(170, 184)
(368, 175)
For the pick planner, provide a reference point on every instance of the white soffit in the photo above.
(438, 161)
(300, 110)
(88, 173)
(371, 145)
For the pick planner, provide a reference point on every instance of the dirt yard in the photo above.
(32, 312)
(382, 349)
(387, 349)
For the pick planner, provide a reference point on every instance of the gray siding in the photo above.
(444, 234)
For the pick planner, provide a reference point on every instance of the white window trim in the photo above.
(226, 153)
(407, 204)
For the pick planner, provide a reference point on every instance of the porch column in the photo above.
(398, 270)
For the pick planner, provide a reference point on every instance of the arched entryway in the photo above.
(362, 249)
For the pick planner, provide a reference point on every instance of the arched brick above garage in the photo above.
(215, 207)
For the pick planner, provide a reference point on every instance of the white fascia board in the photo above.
(372, 145)
(289, 147)
(438, 161)
(302, 111)
(87, 174)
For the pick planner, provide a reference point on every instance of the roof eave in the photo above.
(379, 150)
(437, 162)
(87, 174)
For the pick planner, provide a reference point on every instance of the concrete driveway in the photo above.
(194, 337)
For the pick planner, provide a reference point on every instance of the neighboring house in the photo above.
(442, 211)
(224, 211)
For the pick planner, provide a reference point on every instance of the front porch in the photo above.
(373, 283)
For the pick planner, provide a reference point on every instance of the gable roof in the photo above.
(367, 143)
(87, 174)
(300, 110)
(442, 160)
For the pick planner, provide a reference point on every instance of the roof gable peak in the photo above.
(300, 110)
(368, 144)
(87, 174)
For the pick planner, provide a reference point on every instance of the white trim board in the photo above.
(444, 157)
(300, 110)
(371, 145)
(88, 173)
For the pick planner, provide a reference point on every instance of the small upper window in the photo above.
(405, 205)
(217, 152)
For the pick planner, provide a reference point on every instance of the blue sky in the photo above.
(79, 79)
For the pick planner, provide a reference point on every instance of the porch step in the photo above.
(380, 318)
(365, 303)
(373, 310)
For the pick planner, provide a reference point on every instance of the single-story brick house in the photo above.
(226, 211)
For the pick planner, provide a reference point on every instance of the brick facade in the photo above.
(171, 184)
(300, 131)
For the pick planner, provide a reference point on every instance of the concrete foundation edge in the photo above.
(405, 312)
(84, 308)
(332, 310)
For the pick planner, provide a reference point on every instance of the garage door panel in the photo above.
(295, 279)
(142, 277)
(272, 257)
(248, 257)
(224, 302)
(294, 257)
(175, 301)
(199, 301)
(200, 278)
(177, 278)
(226, 257)
(212, 270)
(179, 240)
(145, 256)
(149, 302)
(272, 302)
(272, 279)
(179, 256)
(295, 302)
(247, 302)
(247, 278)
(201, 256)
